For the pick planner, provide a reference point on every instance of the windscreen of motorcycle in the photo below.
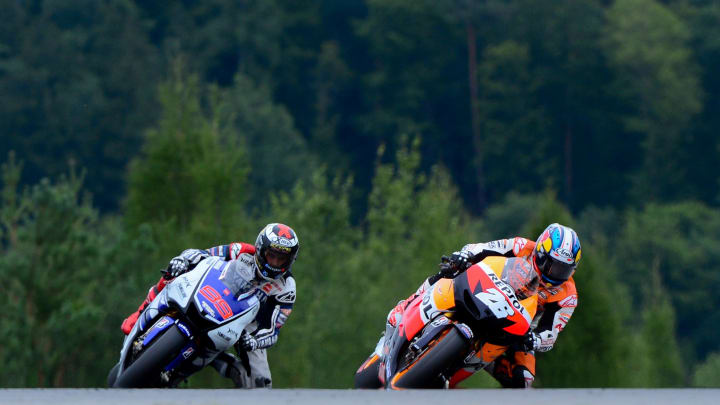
(520, 275)
(218, 301)
(237, 278)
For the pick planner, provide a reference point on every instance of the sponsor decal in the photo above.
(224, 336)
(162, 323)
(182, 291)
(188, 352)
(506, 289)
(184, 329)
(260, 295)
(465, 330)
(235, 249)
(288, 297)
(440, 321)
(233, 333)
(218, 302)
(570, 301)
(554, 290)
(564, 254)
(518, 245)
(207, 308)
(282, 245)
(429, 311)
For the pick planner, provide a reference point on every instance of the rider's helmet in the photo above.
(557, 253)
(276, 248)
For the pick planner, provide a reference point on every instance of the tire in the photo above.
(423, 372)
(367, 375)
(145, 370)
(112, 375)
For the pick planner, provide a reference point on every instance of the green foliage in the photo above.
(659, 332)
(349, 277)
(277, 154)
(608, 104)
(60, 279)
(77, 79)
(327, 282)
(707, 374)
(513, 120)
(191, 181)
(679, 242)
(647, 46)
(597, 323)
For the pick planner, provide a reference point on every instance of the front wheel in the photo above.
(441, 354)
(112, 375)
(145, 370)
(367, 375)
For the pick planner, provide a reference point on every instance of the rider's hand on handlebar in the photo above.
(529, 341)
(177, 266)
(248, 343)
(455, 264)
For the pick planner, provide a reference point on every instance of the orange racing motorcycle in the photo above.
(457, 324)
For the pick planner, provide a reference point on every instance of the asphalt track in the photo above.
(359, 397)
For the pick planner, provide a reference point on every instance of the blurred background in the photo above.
(386, 133)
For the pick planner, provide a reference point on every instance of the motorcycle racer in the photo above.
(271, 259)
(554, 256)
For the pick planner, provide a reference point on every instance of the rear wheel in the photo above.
(367, 374)
(441, 355)
(145, 370)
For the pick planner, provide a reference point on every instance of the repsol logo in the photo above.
(509, 292)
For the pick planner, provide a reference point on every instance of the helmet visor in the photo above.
(558, 272)
(276, 258)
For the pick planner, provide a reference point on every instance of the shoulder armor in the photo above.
(286, 295)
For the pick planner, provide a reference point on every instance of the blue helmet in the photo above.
(557, 253)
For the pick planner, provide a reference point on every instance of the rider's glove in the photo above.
(177, 266)
(248, 343)
(545, 340)
(455, 264)
(540, 342)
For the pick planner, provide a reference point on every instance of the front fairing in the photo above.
(429, 307)
(217, 293)
(489, 305)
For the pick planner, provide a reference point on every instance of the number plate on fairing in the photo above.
(217, 301)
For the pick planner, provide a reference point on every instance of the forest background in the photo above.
(386, 133)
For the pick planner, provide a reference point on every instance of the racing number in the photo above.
(496, 302)
(218, 302)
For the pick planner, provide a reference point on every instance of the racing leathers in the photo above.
(556, 304)
(277, 296)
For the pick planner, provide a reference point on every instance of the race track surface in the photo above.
(358, 397)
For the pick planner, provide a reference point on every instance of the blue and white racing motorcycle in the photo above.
(191, 321)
